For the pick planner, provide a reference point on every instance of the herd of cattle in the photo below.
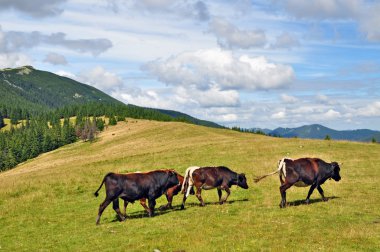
(150, 185)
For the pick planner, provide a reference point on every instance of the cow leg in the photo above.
(169, 198)
(220, 195)
(117, 209)
(102, 206)
(183, 201)
(283, 189)
(152, 204)
(312, 187)
(321, 193)
(227, 189)
(125, 207)
(186, 194)
(198, 194)
(143, 204)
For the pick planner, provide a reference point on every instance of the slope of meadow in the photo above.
(48, 204)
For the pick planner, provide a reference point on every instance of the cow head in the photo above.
(172, 178)
(242, 181)
(335, 174)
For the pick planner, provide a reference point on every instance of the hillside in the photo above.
(32, 89)
(316, 131)
(47, 203)
(27, 90)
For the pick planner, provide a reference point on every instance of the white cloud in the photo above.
(100, 78)
(279, 115)
(331, 114)
(365, 13)
(372, 109)
(15, 41)
(286, 40)
(66, 74)
(193, 9)
(209, 68)
(232, 37)
(55, 59)
(213, 97)
(322, 9)
(288, 98)
(14, 60)
(370, 22)
(35, 8)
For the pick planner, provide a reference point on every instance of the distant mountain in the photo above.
(26, 90)
(316, 131)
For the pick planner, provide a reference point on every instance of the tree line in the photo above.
(44, 131)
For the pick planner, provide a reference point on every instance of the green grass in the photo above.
(47, 203)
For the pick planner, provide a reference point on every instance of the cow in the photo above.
(207, 178)
(135, 186)
(172, 191)
(304, 172)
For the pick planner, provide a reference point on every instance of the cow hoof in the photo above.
(202, 204)
(325, 199)
(307, 202)
(182, 207)
(162, 208)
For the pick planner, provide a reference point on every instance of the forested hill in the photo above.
(26, 91)
(33, 90)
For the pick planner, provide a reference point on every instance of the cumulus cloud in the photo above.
(370, 22)
(372, 109)
(288, 98)
(286, 40)
(279, 115)
(100, 78)
(213, 97)
(365, 13)
(35, 8)
(14, 60)
(322, 9)
(13, 41)
(217, 68)
(191, 9)
(55, 59)
(331, 114)
(229, 36)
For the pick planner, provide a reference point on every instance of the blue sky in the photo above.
(240, 63)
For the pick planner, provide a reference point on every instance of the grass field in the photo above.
(47, 203)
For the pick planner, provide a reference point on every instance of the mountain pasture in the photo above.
(48, 204)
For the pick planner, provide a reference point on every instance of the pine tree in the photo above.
(2, 124)
(100, 124)
(112, 121)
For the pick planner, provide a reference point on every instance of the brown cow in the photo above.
(172, 191)
(135, 186)
(207, 178)
(304, 172)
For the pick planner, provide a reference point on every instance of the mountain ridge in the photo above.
(318, 131)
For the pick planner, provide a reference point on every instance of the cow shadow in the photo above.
(312, 201)
(214, 203)
(143, 214)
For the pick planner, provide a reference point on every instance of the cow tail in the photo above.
(185, 184)
(279, 170)
(104, 179)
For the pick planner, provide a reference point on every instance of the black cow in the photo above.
(135, 186)
(302, 172)
(207, 178)
(170, 193)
